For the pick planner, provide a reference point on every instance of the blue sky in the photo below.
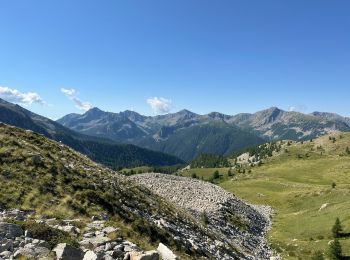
(228, 56)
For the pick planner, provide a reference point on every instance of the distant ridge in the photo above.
(187, 134)
(101, 150)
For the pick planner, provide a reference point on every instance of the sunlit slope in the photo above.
(297, 183)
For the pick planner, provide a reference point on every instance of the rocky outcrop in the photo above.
(234, 223)
(67, 252)
(95, 243)
(166, 253)
(9, 231)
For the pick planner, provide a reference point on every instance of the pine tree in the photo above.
(216, 175)
(335, 250)
(337, 229)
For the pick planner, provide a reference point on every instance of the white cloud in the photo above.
(71, 94)
(159, 105)
(298, 108)
(15, 96)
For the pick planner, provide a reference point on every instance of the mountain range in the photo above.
(102, 150)
(186, 134)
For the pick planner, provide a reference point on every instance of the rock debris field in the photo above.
(239, 224)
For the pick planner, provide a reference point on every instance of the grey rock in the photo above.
(90, 255)
(150, 255)
(6, 254)
(94, 242)
(10, 230)
(108, 247)
(67, 252)
(166, 253)
(109, 230)
(25, 252)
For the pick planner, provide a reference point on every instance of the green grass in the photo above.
(297, 188)
(205, 173)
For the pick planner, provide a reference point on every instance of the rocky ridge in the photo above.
(235, 223)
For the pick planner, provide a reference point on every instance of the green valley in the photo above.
(298, 184)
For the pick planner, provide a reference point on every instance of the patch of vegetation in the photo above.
(44, 232)
(210, 161)
(237, 222)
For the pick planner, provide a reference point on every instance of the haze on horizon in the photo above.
(156, 57)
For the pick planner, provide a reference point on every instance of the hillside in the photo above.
(307, 184)
(54, 181)
(101, 150)
(187, 134)
(214, 138)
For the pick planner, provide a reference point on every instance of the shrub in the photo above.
(51, 235)
(216, 175)
(204, 218)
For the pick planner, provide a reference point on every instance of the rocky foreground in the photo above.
(95, 242)
(235, 223)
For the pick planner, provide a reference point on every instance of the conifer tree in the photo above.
(337, 229)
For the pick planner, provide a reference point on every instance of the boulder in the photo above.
(90, 255)
(41, 252)
(94, 242)
(25, 253)
(6, 254)
(166, 253)
(10, 230)
(149, 255)
(67, 252)
(109, 230)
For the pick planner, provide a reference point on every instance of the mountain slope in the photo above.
(101, 150)
(214, 138)
(297, 181)
(54, 181)
(184, 134)
(276, 124)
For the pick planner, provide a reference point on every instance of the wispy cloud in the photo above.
(15, 96)
(72, 95)
(159, 105)
(298, 108)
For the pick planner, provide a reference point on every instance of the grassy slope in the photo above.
(55, 181)
(296, 188)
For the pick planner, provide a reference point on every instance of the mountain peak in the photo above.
(186, 112)
(94, 112)
(217, 115)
